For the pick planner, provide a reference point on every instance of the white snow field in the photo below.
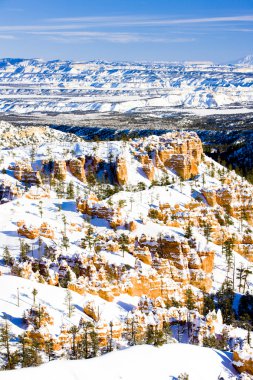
(37, 86)
(137, 363)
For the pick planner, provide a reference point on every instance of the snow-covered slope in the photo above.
(140, 362)
(248, 60)
(128, 258)
(30, 85)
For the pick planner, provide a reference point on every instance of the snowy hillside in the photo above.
(248, 60)
(110, 244)
(30, 85)
(141, 362)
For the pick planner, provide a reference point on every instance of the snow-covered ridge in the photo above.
(32, 85)
(248, 60)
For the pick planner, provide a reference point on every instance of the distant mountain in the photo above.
(248, 60)
(33, 85)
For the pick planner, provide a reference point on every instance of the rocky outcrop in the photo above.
(121, 171)
(23, 172)
(243, 360)
(60, 170)
(91, 206)
(147, 166)
(180, 152)
(76, 167)
(30, 232)
(8, 191)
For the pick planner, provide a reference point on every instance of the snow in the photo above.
(37, 86)
(139, 362)
(166, 361)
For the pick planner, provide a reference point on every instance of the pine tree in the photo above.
(74, 330)
(208, 303)
(110, 339)
(34, 293)
(90, 236)
(68, 303)
(10, 358)
(49, 349)
(85, 343)
(188, 231)
(29, 353)
(7, 256)
(247, 272)
(41, 208)
(167, 331)
(64, 219)
(155, 336)
(207, 232)
(94, 343)
(189, 299)
(70, 191)
(123, 242)
(225, 297)
(24, 249)
(239, 276)
(228, 250)
(183, 376)
(65, 242)
(245, 309)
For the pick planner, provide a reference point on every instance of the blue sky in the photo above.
(146, 30)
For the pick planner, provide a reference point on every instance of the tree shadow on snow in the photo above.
(69, 206)
(16, 321)
(227, 358)
(125, 306)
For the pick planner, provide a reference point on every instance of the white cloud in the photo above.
(79, 36)
(147, 21)
(7, 37)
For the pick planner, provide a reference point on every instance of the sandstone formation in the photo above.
(60, 170)
(76, 167)
(121, 171)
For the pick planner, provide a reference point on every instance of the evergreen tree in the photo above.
(85, 343)
(183, 376)
(24, 249)
(123, 243)
(225, 297)
(70, 191)
(188, 231)
(189, 299)
(68, 303)
(65, 242)
(7, 256)
(239, 276)
(90, 236)
(49, 349)
(167, 331)
(41, 208)
(155, 336)
(29, 354)
(208, 303)
(228, 250)
(247, 272)
(245, 307)
(110, 339)
(132, 332)
(207, 231)
(64, 219)
(94, 343)
(34, 293)
(6, 335)
(73, 330)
